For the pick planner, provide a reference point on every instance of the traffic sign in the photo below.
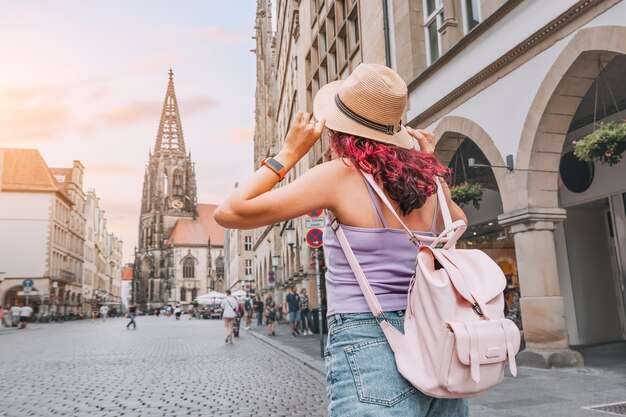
(314, 222)
(315, 213)
(27, 283)
(27, 293)
(315, 238)
(271, 277)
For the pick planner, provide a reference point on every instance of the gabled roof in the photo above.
(25, 170)
(197, 232)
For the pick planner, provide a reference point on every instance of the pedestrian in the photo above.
(190, 311)
(247, 310)
(369, 143)
(305, 312)
(229, 306)
(2, 323)
(25, 313)
(132, 313)
(104, 311)
(94, 314)
(157, 311)
(258, 306)
(15, 314)
(177, 311)
(270, 315)
(292, 305)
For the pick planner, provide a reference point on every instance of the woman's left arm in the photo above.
(254, 203)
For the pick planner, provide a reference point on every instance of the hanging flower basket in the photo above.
(466, 193)
(606, 144)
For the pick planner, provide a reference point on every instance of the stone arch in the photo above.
(447, 146)
(553, 108)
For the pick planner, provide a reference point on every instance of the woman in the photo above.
(270, 315)
(363, 115)
(229, 305)
(305, 313)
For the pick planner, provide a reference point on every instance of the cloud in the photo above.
(131, 113)
(113, 169)
(139, 111)
(242, 134)
(159, 61)
(28, 113)
(219, 34)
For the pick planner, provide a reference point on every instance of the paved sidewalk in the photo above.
(534, 393)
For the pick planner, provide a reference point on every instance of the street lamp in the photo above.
(291, 235)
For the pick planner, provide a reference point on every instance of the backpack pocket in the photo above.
(475, 354)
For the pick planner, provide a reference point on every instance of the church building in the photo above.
(180, 252)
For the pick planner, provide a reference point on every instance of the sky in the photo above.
(85, 80)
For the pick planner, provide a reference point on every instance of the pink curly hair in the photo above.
(408, 175)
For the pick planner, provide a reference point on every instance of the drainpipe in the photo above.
(386, 31)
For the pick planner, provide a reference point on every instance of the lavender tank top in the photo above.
(387, 258)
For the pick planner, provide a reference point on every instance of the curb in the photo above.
(316, 365)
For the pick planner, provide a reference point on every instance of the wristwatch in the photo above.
(274, 165)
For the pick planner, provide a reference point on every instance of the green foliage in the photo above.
(466, 193)
(605, 144)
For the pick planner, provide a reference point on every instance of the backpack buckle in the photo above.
(477, 310)
(335, 224)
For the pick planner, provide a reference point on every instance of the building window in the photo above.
(248, 268)
(433, 19)
(194, 294)
(183, 294)
(471, 14)
(189, 268)
(247, 243)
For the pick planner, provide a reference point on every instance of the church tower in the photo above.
(169, 194)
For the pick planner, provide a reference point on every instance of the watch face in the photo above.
(274, 164)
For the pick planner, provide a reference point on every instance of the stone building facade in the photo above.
(508, 85)
(47, 214)
(180, 253)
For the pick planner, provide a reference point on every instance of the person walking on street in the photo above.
(15, 314)
(229, 306)
(247, 310)
(132, 313)
(25, 312)
(372, 151)
(177, 311)
(292, 305)
(305, 312)
(258, 306)
(270, 315)
(2, 323)
(104, 311)
(190, 311)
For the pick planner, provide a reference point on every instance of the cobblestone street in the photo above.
(164, 368)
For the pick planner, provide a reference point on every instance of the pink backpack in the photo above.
(456, 340)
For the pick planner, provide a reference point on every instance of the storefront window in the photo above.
(492, 239)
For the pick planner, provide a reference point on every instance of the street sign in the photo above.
(314, 222)
(27, 283)
(315, 213)
(28, 290)
(271, 277)
(315, 238)
(27, 293)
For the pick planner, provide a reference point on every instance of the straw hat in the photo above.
(370, 103)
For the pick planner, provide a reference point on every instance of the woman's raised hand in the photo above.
(304, 132)
(425, 139)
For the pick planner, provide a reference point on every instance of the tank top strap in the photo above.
(432, 227)
(375, 201)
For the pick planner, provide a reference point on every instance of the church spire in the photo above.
(170, 135)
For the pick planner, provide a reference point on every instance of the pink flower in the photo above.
(573, 142)
(608, 154)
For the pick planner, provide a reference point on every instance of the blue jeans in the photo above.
(362, 378)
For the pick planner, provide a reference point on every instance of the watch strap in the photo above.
(276, 166)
